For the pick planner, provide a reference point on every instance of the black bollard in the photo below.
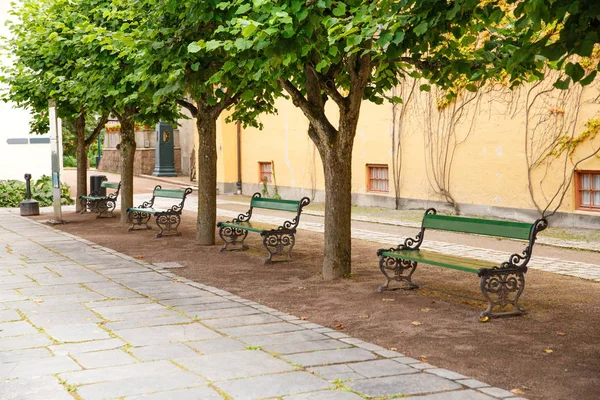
(29, 207)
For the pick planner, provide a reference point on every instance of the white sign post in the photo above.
(55, 145)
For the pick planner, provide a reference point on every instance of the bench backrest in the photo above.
(506, 229)
(171, 193)
(110, 185)
(274, 204)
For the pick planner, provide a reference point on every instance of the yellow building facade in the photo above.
(497, 152)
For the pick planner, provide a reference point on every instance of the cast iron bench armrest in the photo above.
(501, 284)
(166, 219)
(275, 239)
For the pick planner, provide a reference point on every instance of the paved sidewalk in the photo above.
(78, 320)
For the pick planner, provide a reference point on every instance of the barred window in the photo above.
(378, 178)
(265, 170)
(588, 190)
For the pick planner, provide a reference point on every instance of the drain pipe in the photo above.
(239, 158)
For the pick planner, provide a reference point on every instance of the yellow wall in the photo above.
(488, 167)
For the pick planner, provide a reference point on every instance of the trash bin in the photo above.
(96, 184)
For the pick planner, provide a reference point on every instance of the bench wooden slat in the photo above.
(272, 204)
(507, 229)
(169, 193)
(110, 185)
(142, 210)
(245, 226)
(441, 260)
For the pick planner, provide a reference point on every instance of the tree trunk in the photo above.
(81, 159)
(338, 208)
(127, 152)
(207, 177)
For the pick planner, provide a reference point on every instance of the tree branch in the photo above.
(99, 126)
(315, 114)
(327, 83)
(298, 99)
(186, 104)
(119, 116)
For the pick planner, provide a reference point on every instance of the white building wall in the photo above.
(20, 152)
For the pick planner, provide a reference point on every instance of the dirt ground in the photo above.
(553, 352)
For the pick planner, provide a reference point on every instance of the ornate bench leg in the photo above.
(84, 206)
(105, 208)
(139, 219)
(168, 222)
(502, 287)
(232, 236)
(394, 269)
(277, 242)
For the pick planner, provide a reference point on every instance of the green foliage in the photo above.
(550, 33)
(187, 59)
(12, 192)
(566, 143)
(69, 161)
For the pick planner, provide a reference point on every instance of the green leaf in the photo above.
(249, 30)
(248, 95)
(588, 79)
(340, 10)
(195, 67)
(244, 8)
(398, 37)
(212, 44)
(321, 65)
(425, 88)
(562, 84)
(421, 28)
(242, 44)
(575, 71)
(586, 47)
(194, 47)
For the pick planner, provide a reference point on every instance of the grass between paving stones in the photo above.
(72, 389)
(40, 330)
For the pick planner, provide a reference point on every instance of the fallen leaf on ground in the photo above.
(517, 391)
(548, 351)
(339, 327)
(139, 257)
(423, 359)
(393, 349)
(416, 323)
(176, 281)
(561, 334)
(425, 309)
(303, 318)
(388, 299)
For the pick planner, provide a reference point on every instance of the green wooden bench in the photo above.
(275, 239)
(104, 205)
(167, 220)
(501, 285)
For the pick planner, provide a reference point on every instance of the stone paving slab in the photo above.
(37, 388)
(103, 325)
